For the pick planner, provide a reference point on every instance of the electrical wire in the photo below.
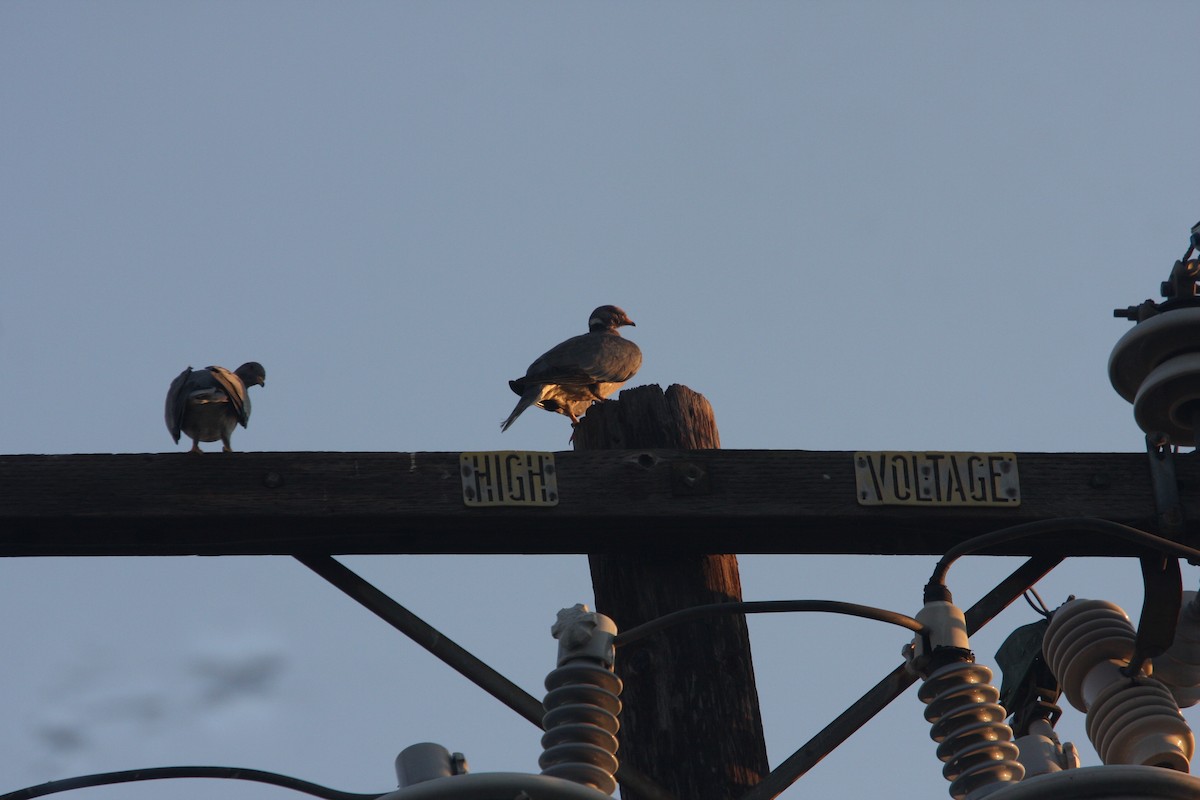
(892, 686)
(454, 656)
(764, 607)
(163, 773)
(1040, 606)
(1059, 526)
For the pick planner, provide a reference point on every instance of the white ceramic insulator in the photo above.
(1136, 721)
(946, 625)
(968, 724)
(1156, 366)
(1166, 401)
(1084, 636)
(1185, 697)
(1042, 752)
(580, 743)
(1129, 720)
(1179, 667)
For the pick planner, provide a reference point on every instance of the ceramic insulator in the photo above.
(1136, 721)
(1156, 366)
(968, 724)
(1084, 634)
(580, 743)
(1130, 720)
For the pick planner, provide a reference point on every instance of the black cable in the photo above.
(1059, 526)
(892, 686)
(1040, 606)
(454, 656)
(163, 773)
(764, 607)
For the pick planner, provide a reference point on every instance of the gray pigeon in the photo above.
(207, 404)
(571, 376)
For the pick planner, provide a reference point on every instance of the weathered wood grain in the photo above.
(745, 501)
(696, 680)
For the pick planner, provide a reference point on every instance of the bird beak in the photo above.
(628, 321)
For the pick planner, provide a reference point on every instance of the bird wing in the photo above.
(233, 387)
(613, 359)
(177, 403)
(586, 359)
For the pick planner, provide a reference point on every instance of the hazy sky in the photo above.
(849, 225)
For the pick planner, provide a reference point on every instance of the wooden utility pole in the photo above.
(691, 718)
(651, 503)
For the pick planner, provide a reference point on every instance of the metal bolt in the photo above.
(272, 480)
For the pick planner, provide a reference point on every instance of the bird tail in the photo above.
(528, 398)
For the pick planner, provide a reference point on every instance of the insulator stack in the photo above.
(1179, 667)
(1130, 720)
(968, 724)
(1156, 364)
(580, 743)
(1136, 721)
(1082, 635)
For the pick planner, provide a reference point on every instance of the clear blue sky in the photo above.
(850, 226)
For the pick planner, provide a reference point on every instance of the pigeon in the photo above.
(584, 369)
(207, 404)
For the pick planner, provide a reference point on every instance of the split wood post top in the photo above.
(691, 717)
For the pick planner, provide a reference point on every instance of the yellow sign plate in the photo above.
(890, 478)
(508, 478)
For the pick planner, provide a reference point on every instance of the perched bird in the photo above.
(580, 371)
(207, 404)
